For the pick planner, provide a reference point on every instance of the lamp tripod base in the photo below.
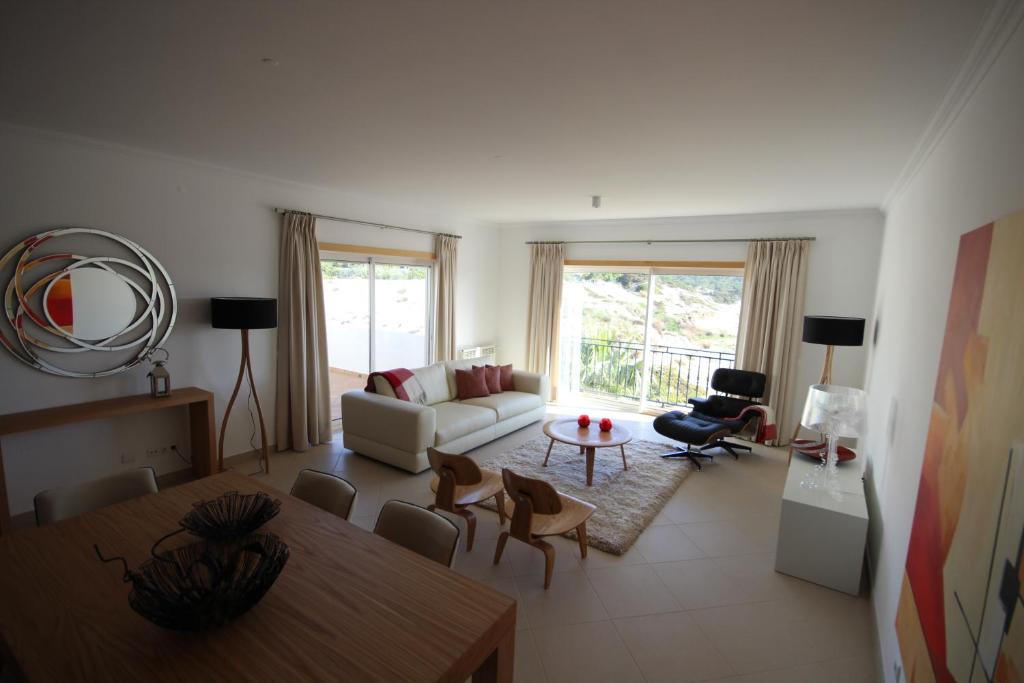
(244, 369)
(826, 378)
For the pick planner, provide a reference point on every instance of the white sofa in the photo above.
(399, 432)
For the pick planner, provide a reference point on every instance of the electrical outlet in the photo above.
(152, 452)
(126, 458)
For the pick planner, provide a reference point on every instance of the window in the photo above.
(650, 337)
(378, 317)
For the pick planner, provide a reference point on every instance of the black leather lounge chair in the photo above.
(715, 417)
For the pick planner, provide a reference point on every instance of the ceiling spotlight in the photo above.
(270, 61)
(595, 201)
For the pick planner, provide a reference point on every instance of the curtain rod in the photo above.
(737, 239)
(383, 226)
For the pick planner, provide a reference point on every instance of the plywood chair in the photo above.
(538, 510)
(459, 483)
(60, 503)
(419, 530)
(329, 492)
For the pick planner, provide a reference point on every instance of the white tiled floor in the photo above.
(695, 599)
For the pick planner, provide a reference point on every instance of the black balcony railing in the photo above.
(615, 368)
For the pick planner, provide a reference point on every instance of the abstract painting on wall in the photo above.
(961, 610)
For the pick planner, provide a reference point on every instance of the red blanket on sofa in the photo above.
(396, 378)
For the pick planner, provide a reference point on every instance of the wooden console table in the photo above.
(202, 426)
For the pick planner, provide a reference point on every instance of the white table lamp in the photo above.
(837, 412)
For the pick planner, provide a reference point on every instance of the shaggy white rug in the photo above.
(626, 501)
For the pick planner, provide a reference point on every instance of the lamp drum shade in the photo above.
(835, 410)
(833, 330)
(243, 313)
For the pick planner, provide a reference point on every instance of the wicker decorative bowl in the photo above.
(206, 584)
(231, 515)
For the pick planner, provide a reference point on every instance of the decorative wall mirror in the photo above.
(78, 315)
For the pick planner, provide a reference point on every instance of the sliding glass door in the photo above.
(649, 338)
(400, 309)
(378, 316)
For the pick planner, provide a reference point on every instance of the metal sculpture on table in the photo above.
(207, 583)
(60, 306)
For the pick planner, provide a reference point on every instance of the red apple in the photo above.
(605, 424)
(583, 421)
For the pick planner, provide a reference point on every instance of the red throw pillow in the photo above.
(471, 383)
(493, 375)
(506, 377)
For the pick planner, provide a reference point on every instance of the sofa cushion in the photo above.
(471, 383)
(493, 375)
(508, 403)
(506, 377)
(454, 420)
(450, 366)
(434, 382)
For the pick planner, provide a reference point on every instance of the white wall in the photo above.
(841, 274)
(214, 231)
(974, 175)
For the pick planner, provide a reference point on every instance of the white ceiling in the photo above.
(506, 111)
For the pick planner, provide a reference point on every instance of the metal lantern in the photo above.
(159, 377)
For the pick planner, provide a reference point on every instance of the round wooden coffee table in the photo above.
(589, 439)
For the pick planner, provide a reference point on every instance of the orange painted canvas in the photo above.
(961, 610)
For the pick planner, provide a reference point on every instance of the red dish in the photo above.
(818, 450)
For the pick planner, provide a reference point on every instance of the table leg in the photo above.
(623, 449)
(5, 513)
(548, 454)
(497, 668)
(202, 429)
(582, 450)
(590, 465)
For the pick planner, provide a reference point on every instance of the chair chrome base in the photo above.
(691, 454)
(727, 446)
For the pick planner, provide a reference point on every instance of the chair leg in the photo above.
(499, 501)
(470, 526)
(502, 540)
(549, 559)
(581, 536)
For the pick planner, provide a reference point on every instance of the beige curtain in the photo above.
(546, 264)
(445, 254)
(773, 306)
(303, 402)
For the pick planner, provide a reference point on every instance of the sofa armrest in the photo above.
(404, 425)
(532, 383)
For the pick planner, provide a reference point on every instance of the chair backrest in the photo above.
(60, 503)
(739, 382)
(452, 471)
(530, 496)
(419, 530)
(462, 467)
(329, 492)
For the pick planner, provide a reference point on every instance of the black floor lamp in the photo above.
(243, 313)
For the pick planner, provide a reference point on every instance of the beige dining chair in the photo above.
(458, 483)
(418, 530)
(537, 510)
(62, 502)
(329, 492)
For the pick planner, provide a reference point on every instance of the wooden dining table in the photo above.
(348, 606)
